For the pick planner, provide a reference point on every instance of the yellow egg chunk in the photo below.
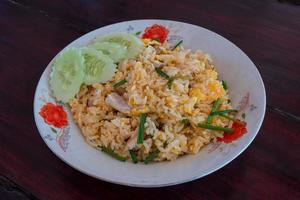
(170, 102)
(146, 41)
(138, 111)
(188, 107)
(216, 90)
(118, 76)
(212, 74)
(196, 92)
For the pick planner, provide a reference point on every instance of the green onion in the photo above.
(222, 112)
(141, 128)
(161, 73)
(185, 121)
(133, 156)
(151, 156)
(216, 128)
(179, 43)
(244, 115)
(138, 33)
(170, 82)
(227, 117)
(214, 108)
(166, 76)
(224, 84)
(118, 84)
(112, 153)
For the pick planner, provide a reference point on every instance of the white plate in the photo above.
(232, 65)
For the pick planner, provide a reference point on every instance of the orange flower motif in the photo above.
(239, 129)
(54, 115)
(156, 32)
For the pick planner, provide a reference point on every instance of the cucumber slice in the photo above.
(113, 50)
(99, 68)
(67, 74)
(131, 43)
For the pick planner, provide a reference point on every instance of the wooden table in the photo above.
(31, 34)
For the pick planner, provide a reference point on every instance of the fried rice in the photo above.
(188, 95)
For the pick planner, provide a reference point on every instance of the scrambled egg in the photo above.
(188, 107)
(196, 92)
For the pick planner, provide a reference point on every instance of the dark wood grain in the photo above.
(12, 191)
(32, 32)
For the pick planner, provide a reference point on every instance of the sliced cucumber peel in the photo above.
(99, 68)
(67, 74)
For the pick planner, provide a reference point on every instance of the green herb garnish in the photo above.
(216, 128)
(118, 84)
(222, 112)
(224, 84)
(112, 153)
(138, 33)
(244, 115)
(133, 156)
(178, 43)
(161, 73)
(166, 76)
(227, 117)
(141, 128)
(185, 121)
(214, 108)
(151, 156)
(170, 82)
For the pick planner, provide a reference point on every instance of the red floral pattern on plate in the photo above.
(239, 129)
(156, 32)
(54, 115)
